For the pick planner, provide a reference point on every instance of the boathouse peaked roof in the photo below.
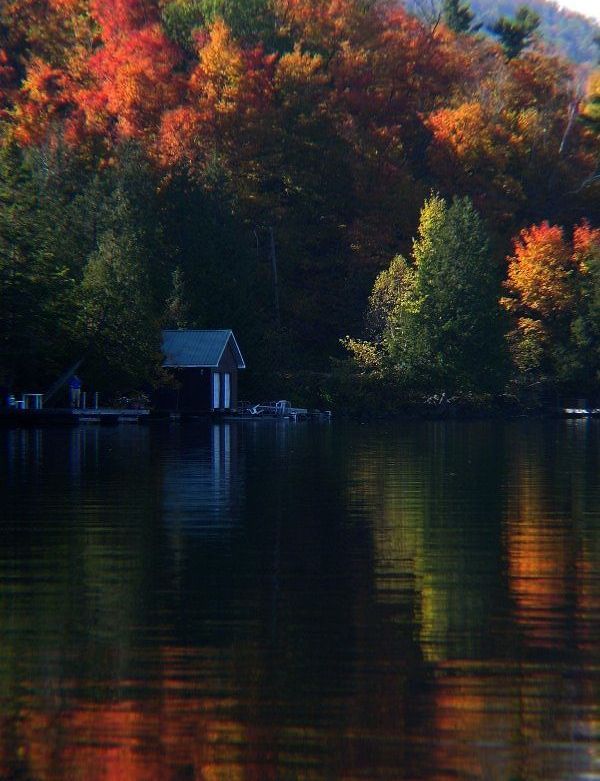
(186, 349)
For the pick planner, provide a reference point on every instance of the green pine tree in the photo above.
(117, 313)
(252, 21)
(447, 333)
(458, 16)
(516, 34)
(38, 290)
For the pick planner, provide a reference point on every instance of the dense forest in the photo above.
(380, 204)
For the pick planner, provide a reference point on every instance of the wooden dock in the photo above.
(73, 417)
(109, 415)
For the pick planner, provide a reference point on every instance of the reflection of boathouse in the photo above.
(201, 480)
(205, 365)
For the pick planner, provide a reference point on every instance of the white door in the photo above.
(216, 390)
(227, 390)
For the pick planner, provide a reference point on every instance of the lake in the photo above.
(270, 601)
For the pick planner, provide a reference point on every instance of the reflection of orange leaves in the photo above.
(538, 568)
(460, 705)
(163, 737)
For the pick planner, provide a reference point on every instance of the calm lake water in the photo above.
(270, 601)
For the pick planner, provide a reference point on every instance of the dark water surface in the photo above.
(272, 602)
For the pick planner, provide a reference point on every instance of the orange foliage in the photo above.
(118, 18)
(537, 80)
(133, 83)
(8, 77)
(229, 86)
(471, 152)
(586, 244)
(326, 25)
(405, 105)
(179, 138)
(46, 94)
(300, 76)
(228, 78)
(470, 135)
(541, 272)
(391, 75)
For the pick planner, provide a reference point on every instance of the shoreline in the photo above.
(111, 417)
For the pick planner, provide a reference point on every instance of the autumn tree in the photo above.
(301, 134)
(553, 289)
(591, 112)
(586, 326)
(513, 146)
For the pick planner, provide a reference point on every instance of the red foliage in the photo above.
(541, 274)
(586, 242)
(118, 18)
(45, 97)
(133, 81)
(229, 88)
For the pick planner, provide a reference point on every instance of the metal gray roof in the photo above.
(185, 348)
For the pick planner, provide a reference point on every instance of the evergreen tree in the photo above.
(446, 334)
(38, 291)
(117, 315)
(249, 20)
(458, 16)
(516, 34)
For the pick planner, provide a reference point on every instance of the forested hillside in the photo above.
(570, 33)
(565, 31)
(160, 158)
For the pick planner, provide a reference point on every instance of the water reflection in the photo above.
(297, 602)
(201, 479)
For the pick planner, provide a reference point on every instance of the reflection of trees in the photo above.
(550, 549)
(437, 540)
(529, 712)
(432, 495)
(339, 607)
(505, 721)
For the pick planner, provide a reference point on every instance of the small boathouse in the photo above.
(205, 365)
